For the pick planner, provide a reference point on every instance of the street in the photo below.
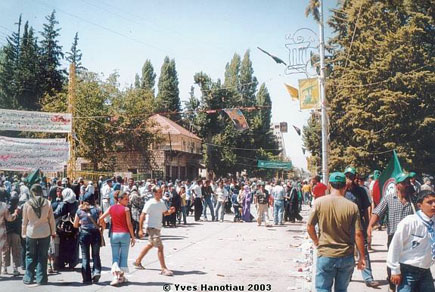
(232, 256)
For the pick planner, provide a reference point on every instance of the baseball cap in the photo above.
(350, 169)
(376, 174)
(401, 177)
(412, 174)
(337, 177)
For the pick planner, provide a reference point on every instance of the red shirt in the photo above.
(319, 190)
(119, 220)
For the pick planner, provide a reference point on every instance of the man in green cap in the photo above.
(340, 228)
(398, 205)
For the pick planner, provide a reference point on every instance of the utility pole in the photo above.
(71, 104)
(323, 99)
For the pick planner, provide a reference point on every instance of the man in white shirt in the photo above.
(153, 211)
(222, 196)
(197, 196)
(412, 249)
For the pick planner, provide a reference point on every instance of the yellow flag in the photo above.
(308, 93)
(292, 91)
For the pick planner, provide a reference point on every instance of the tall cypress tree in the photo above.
(51, 56)
(168, 99)
(148, 79)
(248, 82)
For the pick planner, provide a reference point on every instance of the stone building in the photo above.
(177, 157)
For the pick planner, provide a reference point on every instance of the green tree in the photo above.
(311, 137)
(52, 77)
(226, 149)
(148, 79)
(8, 69)
(75, 55)
(28, 88)
(381, 87)
(168, 99)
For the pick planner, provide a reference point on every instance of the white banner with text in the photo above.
(27, 121)
(19, 154)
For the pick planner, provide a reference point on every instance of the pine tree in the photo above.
(8, 70)
(381, 87)
(75, 55)
(148, 79)
(29, 90)
(51, 56)
(168, 100)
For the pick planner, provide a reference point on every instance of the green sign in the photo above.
(274, 164)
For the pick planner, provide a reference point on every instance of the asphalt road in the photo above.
(215, 256)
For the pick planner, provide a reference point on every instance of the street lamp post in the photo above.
(323, 100)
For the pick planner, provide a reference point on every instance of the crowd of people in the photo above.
(42, 229)
(346, 217)
(48, 224)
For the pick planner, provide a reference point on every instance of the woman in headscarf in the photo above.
(89, 237)
(38, 226)
(247, 199)
(68, 239)
(122, 236)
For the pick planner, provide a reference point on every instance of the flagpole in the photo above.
(323, 99)
(71, 102)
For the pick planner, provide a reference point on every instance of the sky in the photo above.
(201, 35)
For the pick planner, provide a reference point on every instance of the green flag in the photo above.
(386, 183)
(34, 177)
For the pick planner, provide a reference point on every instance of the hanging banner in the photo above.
(308, 93)
(238, 118)
(274, 164)
(19, 154)
(27, 121)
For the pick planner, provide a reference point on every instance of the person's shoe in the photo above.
(96, 278)
(166, 272)
(372, 284)
(16, 273)
(138, 266)
(114, 282)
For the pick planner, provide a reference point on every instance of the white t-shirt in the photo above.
(222, 194)
(154, 213)
(197, 192)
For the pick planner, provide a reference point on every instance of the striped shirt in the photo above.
(396, 211)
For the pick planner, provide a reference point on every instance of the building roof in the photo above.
(168, 126)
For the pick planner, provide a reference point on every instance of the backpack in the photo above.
(65, 226)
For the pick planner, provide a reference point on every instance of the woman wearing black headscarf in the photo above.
(38, 226)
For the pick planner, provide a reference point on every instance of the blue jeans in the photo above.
(278, 211)
(367, 274)
(415, 279)
(120, 243)
(183, 213)
(36, 258)
(220, 206)
(207, 202)
(330, 270)
(90, 238)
